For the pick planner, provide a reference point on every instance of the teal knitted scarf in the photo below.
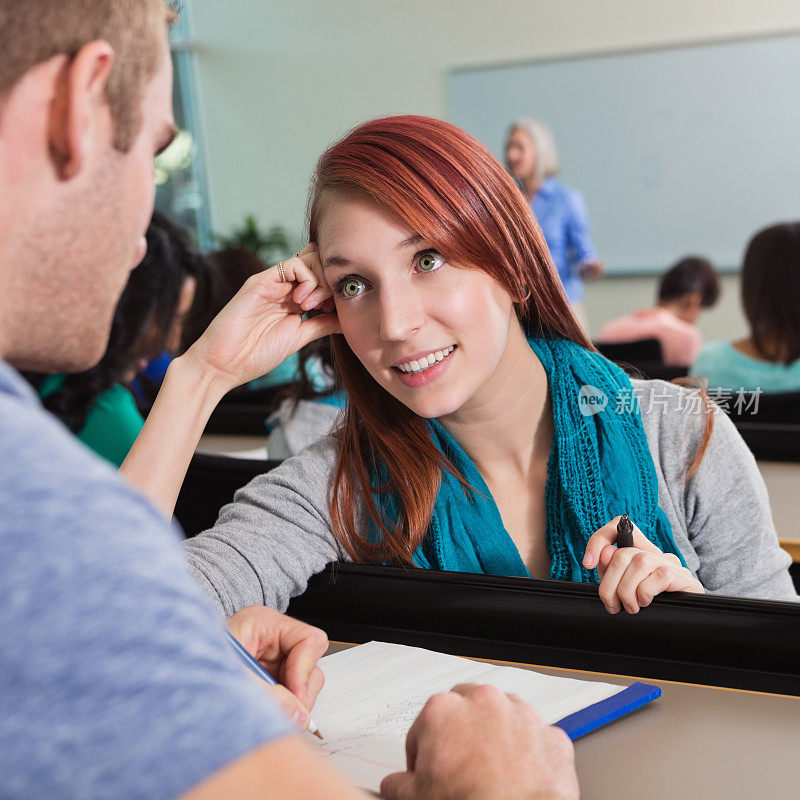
(599, 467)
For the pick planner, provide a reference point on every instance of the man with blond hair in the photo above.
(115, 677)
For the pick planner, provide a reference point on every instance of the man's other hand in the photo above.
(478, 742)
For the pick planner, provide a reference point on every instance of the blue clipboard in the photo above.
(595, 716)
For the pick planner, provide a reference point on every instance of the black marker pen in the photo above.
(624, 532)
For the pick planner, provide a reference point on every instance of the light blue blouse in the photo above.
(726, 367)
(564, 219)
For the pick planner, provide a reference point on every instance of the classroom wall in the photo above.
(609, 297)
(279, 81)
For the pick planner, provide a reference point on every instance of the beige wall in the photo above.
(279, 80)
(610, 297)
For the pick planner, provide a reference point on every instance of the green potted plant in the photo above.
(269, 245)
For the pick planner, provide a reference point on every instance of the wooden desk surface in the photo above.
(792, 547)
(782, 480)
(693, 742)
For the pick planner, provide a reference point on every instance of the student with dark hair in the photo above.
(684, 291)
(690, 285)
(769, 357)
(97, 405)
(226, 273)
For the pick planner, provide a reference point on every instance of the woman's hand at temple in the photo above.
(630, 577)
(263, 325)
(260, 327)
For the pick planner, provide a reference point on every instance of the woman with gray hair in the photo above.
(532, 159)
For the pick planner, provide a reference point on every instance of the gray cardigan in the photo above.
(277, 533)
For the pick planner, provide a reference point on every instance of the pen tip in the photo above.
(319, 736)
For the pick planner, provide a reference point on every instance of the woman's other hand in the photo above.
(263, 325)
(630, 577)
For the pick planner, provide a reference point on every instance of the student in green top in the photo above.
(96, 405)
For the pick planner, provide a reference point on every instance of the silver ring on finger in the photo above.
(282, 273)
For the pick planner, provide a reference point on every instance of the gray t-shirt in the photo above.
(277, 533)
(297, 425)
(116, 680)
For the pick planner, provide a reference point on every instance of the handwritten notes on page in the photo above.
(374, 692)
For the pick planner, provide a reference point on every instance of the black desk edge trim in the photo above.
(711, 640)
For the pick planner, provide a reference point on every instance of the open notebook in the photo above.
(374, 692)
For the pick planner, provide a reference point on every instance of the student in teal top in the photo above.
(96, 405)
(769, 357)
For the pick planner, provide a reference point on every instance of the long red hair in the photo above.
(448, 188)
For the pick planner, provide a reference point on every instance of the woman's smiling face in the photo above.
(432, 333)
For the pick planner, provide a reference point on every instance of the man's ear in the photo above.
(78, 102)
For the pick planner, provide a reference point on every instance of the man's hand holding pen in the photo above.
(470, 742)
(289, 650)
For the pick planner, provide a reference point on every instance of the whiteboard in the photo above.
(677, 151)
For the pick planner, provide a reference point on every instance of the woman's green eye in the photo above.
(352, 288)
(428, 262)
(349, 286)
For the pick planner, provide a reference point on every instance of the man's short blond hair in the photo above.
(34, 31)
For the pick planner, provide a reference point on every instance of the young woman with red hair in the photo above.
(482, 431)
